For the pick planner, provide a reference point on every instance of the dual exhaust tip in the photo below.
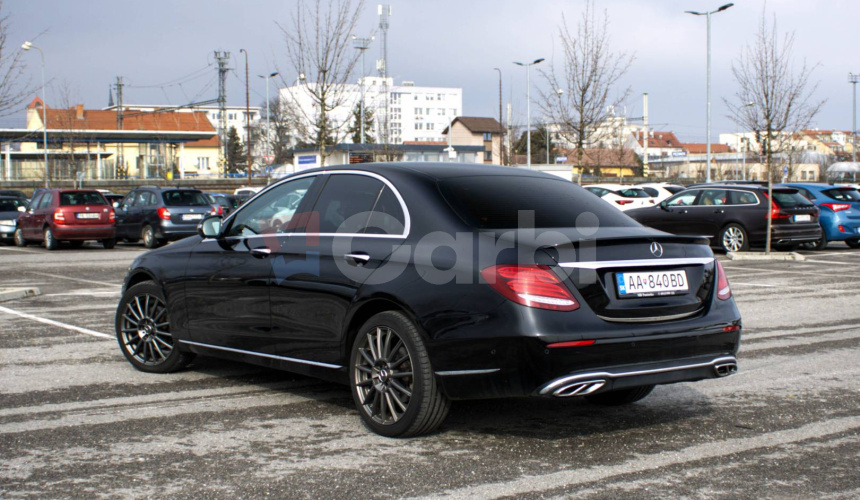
(725, 369)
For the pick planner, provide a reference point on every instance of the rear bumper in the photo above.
(84, 232)
(172, 231)
(850, 228)
(795, 233)
(7, 232)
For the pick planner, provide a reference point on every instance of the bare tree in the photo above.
(319, 46)
(774, 98)
(14, 90)
(578, 97)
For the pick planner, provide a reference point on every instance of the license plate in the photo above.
(802, 218)
(651, 284)
(192, 216)
(86, 216)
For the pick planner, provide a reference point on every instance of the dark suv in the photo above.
(734, 216)
(160, 214)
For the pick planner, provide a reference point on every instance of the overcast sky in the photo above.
(451, 43)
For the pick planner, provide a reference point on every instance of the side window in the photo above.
(651, 192)
(151, 200)
(682, 199)
(807, 194)
(713, 197)
(346, 202)
(141, 198)
(34, 203)
(271, 212)
(128, 201)
(387, 216)
(46, 200)
(743, 198)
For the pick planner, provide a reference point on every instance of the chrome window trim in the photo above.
(727, 190)
(262, 355)
(407, 223)
(600, 264)
(613, 375)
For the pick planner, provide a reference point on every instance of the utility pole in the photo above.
(119, 110)
(645, 170)
(384, 12)
(852, 78)
(361, 44)
(247, 116)
(223, 58)
(501, 123)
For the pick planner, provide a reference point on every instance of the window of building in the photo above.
(428, 111)
(430, 126)
(419, 126)
(488, 156)
(419, 111)
(202, 163)
(488, 136)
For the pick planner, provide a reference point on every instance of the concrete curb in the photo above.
(18, 293)
(773, 256)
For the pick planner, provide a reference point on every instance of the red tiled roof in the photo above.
(425, 143)
(659, 139)
(97, 119)
(212, 142)
(696, 148)
(478, 125)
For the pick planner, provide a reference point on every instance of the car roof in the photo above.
(436, 171)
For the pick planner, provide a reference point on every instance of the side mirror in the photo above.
(22, 209)
(210, 227)
(663, 204)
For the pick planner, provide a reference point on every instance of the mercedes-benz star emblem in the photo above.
(657, 249)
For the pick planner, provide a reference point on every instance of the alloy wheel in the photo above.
(733, 239)
(383, 376)
(145, 330)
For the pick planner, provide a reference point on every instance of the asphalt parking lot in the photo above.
(76, 420)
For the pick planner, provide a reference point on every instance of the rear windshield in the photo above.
(634, 193)
(183, 198)
(492, 202)
(789, 199)
(10, 205)
(81, 199)
(842, 194)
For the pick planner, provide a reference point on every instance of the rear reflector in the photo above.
(575, 343)
(724, 292)
(530, 285)
(732, 328)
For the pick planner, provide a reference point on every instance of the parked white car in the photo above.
(660, 190)
(622, 197)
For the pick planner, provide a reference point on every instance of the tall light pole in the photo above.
(247, 116)
(745, 144)
(852, 78)
(361, 44)
(708, 15)
(268, 110)
(501, 123)
(28, 46)
(529, 109)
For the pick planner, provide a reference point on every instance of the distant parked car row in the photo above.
(734, 215)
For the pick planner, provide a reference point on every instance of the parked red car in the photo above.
(72, 215)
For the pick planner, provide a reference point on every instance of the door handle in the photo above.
(683, 211)
(261, 253)
(359, 258)
(719, 211)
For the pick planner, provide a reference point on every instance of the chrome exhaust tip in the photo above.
(578, 388)
(725, 369)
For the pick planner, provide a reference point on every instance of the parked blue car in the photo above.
(840, 212)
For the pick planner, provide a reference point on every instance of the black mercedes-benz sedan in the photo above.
(734, 216)
(417, 284)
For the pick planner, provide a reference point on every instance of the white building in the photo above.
(417, 114)
(235, 114)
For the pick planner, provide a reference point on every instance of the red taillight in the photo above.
(59, 216)
(217, 210)
(623, 202)
(836, 207)
(163, 213)
(731, 328)
(111, 216)
(776, 213)
(575, 343)
(724, 292)
(532, 286)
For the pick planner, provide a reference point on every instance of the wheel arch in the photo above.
(366, 309)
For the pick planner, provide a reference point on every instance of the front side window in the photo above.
(46, 200)
(682, 199)
(271, 212)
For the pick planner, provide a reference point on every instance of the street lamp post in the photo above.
(361, 44)
(852, 78)
(268, 111)
(247, 116)
(501, 124)
(708, 15)
(28, 46)
(529, 109)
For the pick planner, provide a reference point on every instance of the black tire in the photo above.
(19, 238)
(734, 238)
(51, 243)
(109, 243)
(392, 401)
(147, 234)
(853, 243)
(143, 331)
(817, 245)
(621, 396)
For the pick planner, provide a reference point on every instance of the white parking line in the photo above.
(14, 249)
(85, 331)
(808, 273)
(833, 262)
(73, 279)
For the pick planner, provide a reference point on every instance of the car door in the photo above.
(708, 214)
(228, 278)
(674, 216)
(43, 211)
(360, 219)
(26, 219)
(122, 216)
